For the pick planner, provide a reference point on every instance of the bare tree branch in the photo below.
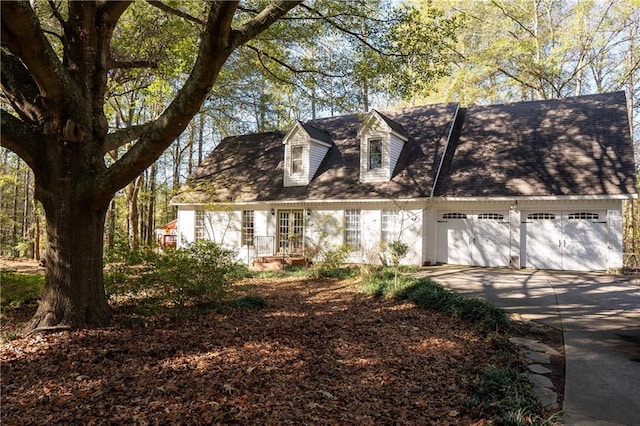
(287, 66)
(345, 30)
(262, 21)
(58, 15)
(176, 12)
(133, 64)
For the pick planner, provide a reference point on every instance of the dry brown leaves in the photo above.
(319, 353)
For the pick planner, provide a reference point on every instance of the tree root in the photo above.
(49, 329)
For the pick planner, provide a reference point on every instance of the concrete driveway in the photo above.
(599, 315)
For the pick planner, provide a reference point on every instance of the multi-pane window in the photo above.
(247, 228)
(491, 216)
(296, 160)
(541, 216)
(375, 154)
(390, 226)
(290, 230)
(454, 216)
(352, 228)
(200, 227)
(583, 215)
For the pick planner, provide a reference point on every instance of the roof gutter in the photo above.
(444, 152)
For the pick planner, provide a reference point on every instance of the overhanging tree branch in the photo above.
(121, 137)
(19, 88)
(22, 34)
(176, 12)
(262, 21)
(218, 41)
(19, 138)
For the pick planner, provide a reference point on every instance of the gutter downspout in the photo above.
(444, 152)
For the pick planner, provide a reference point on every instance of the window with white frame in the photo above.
(375, 154)
(200, 232)
(246, 235)
(390, 226)
(297, 167)
(352, 228)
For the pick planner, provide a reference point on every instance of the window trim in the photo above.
(541, 216)
(297, 161)
(490, 216)
(370, 144)
(200, 226)
(352, 228)
(583, 216)
(454, 215)
(390, 225)
(247, 228)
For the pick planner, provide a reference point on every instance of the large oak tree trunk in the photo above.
(74, 292)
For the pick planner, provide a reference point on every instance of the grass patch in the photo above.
(246, 302)
(504, 394)
(429, 294)
(292, 272)
(18, 289)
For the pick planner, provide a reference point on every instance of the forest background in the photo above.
(362, 55)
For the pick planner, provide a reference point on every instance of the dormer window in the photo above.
(305, 147)
(375, 154)
(381, 142)
(297, 166)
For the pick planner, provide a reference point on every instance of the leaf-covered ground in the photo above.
(319, 353)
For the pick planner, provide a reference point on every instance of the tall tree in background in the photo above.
(56, 84)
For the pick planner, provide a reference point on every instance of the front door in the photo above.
(290, 231)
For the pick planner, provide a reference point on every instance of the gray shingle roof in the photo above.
(316, 133)
(572, 146)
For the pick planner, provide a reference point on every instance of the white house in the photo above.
(530, 184)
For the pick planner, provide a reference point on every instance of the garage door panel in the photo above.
(576, 241)
(459, 236)
(543, 240)
(585, 242)
(491, 243)
(481, 239)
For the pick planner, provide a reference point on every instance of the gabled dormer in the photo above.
(381, 142)
(304, 149)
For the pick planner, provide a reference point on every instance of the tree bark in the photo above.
(74, 285)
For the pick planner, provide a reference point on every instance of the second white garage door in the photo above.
(473, 238)
(576, 241)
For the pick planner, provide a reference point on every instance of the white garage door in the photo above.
(575, 241)
(473, 238)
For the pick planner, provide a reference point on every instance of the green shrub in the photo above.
(202, 272)
(246, 302)
(18, 289)
(335, 257)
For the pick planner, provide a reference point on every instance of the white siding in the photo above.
(395, 148)
(186, 226)
(391, 149)
(317, 153)
(312, 155)
(615, 238)
(298, 138)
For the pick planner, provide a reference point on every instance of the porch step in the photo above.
(275, 263)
